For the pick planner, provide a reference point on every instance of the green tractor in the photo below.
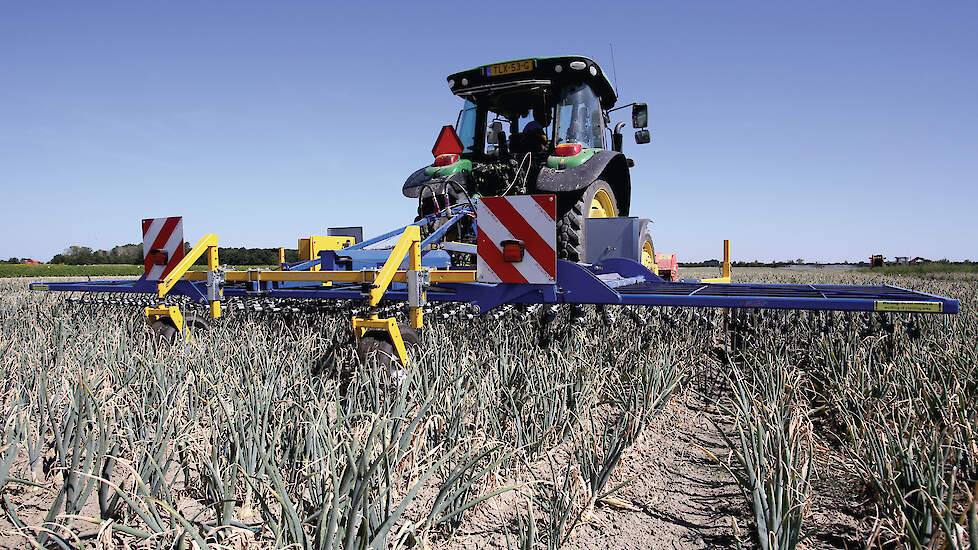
(540, 125)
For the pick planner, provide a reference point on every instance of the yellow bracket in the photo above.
(360, 327)
(154, 314)
(209, 245)
(409, 244)
(725, 270)
(172, 313)
(411, 238)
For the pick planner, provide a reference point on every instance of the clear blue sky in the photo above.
(819, 130)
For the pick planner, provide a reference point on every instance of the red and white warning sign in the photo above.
(517, 239)
(162, 246)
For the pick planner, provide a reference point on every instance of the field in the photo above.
(100, 270)
(58, 270)
(628, 428)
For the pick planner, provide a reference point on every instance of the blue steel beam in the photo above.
(579, 284)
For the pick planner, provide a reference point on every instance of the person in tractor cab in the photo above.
(533, 138)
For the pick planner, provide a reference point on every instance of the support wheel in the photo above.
(596, 201)
(166, 333)
(376, 345)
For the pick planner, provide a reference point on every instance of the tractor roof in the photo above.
(486, 81)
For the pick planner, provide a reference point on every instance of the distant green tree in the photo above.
(132, 254)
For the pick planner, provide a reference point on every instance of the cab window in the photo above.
(579, 117)
(465, 126)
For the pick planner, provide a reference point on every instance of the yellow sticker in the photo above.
(909, 307)
(40, 287)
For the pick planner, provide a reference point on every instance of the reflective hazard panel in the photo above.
(517, 239)
(162, 246)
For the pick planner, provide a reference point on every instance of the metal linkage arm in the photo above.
(207, 244)
(410, 237)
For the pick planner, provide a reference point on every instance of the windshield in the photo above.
(465, 127)
(579, 117)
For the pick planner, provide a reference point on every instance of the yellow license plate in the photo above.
(910, 307)
(511, 67)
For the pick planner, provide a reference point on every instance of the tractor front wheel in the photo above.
(595, 201)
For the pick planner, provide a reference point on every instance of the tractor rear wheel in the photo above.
(647, 252)
(595, 201)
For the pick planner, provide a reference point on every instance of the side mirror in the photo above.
(492, 133)
(642, 136)
(640, 115)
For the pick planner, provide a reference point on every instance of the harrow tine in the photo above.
(911, 327)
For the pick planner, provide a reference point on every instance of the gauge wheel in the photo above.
(595, 201)
(376, 345)
(165, 332)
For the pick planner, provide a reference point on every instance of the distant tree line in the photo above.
(83, 255)
(718, 263)
(250, 256)
(755, 263)
(132, 254)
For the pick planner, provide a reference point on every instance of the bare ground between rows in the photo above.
(676, 498)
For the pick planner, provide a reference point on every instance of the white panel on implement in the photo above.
(162, 246)
(528, 224)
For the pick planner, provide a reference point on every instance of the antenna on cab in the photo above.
(613, 69)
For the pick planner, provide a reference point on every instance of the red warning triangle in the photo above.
(447, 143)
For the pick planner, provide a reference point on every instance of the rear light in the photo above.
(445, 160)
(158, 256)
(513, 251)
(567, 149)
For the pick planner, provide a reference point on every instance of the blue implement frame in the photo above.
(613, 281)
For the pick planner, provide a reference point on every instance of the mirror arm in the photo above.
(620, 107)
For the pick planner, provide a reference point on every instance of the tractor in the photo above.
(536, 126)
(531, 182)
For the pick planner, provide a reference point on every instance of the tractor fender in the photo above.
(412, 187)
(419, 180)
(610, 166)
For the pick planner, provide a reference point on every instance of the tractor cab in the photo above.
(535, 126)
(567, 97)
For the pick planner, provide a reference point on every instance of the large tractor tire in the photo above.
(595, 201)
(647, 252)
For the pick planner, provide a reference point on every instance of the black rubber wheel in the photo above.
(376, 345)
(573, 209)
(646, 239)
(165, 332)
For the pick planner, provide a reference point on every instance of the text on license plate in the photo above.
(510, 67)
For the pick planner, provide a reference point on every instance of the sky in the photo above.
(826, 131)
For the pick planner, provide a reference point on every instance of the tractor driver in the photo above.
(533, 138)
